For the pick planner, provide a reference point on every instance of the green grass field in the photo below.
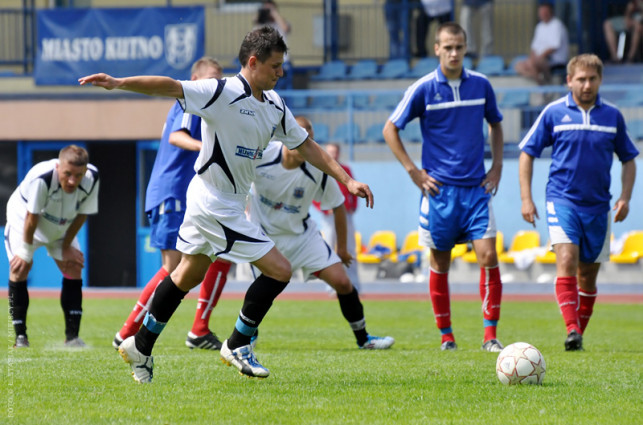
(318, 376)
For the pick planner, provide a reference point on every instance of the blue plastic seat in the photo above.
(412, 132)
(363, 70)
(327, 102)
(491, 65)
(514, 99)
(394, 68)
(296, 102)
(334, 70)
(342, 133)
(361, 101)
(423, 67)
(386, 101)
(632, 98)
(510, 70)
(635, 129)
(322, 132)
(374, 133)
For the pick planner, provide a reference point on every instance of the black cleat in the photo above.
(574, 341)
(448, 346)
(208, 341)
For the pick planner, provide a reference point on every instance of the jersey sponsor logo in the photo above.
(53, 219)
(298, 192)
(180, 44)
(247, 112)
(279, 206)
(249, 153)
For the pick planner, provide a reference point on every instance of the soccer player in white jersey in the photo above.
(280, 199)
(240, 115)
(48, 209)
(584, 132)
(451, 104)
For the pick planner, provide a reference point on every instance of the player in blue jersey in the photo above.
(48, 209)
(165, 206)
(452, 104)
(584, 132)
(240, 115)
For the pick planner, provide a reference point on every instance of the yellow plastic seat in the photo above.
(411, 249)
(632, 249)
(548, 257)
(459, 250)
(380, 239)
(524, 239)
(359, 248)
(470, 257)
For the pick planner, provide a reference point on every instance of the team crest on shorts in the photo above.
(298, 192)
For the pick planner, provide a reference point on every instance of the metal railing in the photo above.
(17, 37)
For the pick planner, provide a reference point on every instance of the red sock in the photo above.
(135, 319)
(439, 291)
(491, 296)
(567, 296)
(209, 295)
(586, 308)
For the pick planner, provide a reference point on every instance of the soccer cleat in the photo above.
(208, 341)
(118, 340)
(448, 346)
(574, 341)
(21, 342)
(243, 358)
(378, 343)
(493, 346)
(75, 343)
(142, 365)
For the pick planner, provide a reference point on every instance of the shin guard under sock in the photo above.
(567, 297)
(491, 296)
(18, 305)
(71, 301)
(353, 312)
(439, 291)
(135, 319)
(586, 308)
(209, 294)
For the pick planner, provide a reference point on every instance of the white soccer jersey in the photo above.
(40, 193)
(236, 128)
(281, 198)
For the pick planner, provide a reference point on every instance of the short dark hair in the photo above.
(586, 60)
(452, 28)
(261, 42)
(74, 155)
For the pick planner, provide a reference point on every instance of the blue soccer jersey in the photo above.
(583, 146)
(451, 117)
(173, 166)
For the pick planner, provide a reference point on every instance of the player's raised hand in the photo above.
(100, 80)
(362, 190)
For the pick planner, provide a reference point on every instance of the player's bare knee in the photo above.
(342, 285)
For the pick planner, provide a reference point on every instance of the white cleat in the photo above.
(243, 358)
(142, 365)
(378, 343)
(493, 346)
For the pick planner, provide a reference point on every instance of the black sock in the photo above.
(18, 305)
(353, 312)
(71, 300)
(166, 300)
(256, 304)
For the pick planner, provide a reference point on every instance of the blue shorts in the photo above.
(589, 231)
(165, 220)
(455, 215)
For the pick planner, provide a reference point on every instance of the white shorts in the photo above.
(308, 251)
(215, 225)
(14, 238)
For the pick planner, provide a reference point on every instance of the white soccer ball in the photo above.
(520, 363)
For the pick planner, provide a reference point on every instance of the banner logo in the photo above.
(180, 44)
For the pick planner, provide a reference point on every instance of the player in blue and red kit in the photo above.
(165, 205)
(451, 103)
(584, 133)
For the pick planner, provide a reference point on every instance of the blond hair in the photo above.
(205, 61)
(586, 60)
(74, 155)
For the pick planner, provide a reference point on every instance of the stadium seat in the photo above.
(386, 101)
(631, 98)
(364, 69)
(411, 250)
(510, 70)
(296, 102)
(635, 130)
(342, 133)
(547, 257)
(470, 257)
(632, 249)
(459, 250)
(523, 240)
(359, 247)
(322, 134)
(381, 245)
(412, 133)
(514, 99)
(327, 102)
(491, 65)
(394, 68)
(374, 133)
(334, 70)
(467, 62)
(423, 67)
(361, 101)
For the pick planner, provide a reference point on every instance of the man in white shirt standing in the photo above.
(48, 209)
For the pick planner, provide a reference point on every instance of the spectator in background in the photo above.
(549, 47)
(439, 10)
(328, 225)
(631, 22)
(397, 14)
(484, 10)
(268, 15)
(592, 133)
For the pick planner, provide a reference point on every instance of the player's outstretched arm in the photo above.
(525, 173)
(150, 85)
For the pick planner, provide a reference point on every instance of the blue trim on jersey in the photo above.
(583, 147)
(152, 325)
(451, 119)
(244, 329)
(173, 167)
